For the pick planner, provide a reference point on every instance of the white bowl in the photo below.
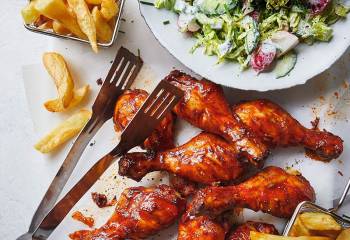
(312, 60)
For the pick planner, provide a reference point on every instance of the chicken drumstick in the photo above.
(204, 106)
(126, 107)
(140, 212)
(273, 191)
(206, 159)
(278, 128)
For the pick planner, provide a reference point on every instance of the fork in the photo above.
(121, 75)
(157, 105)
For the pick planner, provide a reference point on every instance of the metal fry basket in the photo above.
(50, 32)
(344, 221)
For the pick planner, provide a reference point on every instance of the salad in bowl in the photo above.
(258, 34)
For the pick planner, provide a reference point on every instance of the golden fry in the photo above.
(264, 236)
(46, 25)
(298, 229)
(57, 68)
(320, 224)
(63, 132)
(57, 10)
(79, 95)
(109, 9)
(344, 235)
(94, 2)
(59, 28)
(319, 221)
(29, 13)
(85, 21)
(103, 30)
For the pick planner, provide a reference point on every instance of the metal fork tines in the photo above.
(121, 75)
(161, 101)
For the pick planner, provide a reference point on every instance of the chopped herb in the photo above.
(121, 31)
(138, 52)
(147, 3)
(123, 19)
(166, 22)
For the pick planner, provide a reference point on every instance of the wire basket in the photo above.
(306, 206)
(50, 32)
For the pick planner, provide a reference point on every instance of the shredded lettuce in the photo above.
(167, 4)
(321, 31)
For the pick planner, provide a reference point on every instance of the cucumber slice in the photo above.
(285, 64)
(215, 7)
(251, 41)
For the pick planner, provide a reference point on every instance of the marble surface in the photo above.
(23, 179)
(24, 176)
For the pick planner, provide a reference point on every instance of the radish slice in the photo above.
(318, 6)
(263, 57)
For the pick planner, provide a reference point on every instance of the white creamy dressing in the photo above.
(225, 47)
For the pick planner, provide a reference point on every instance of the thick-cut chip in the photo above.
(29, 13)
(344, 235)
(79, 95)
(63, 132)
(58, 70)
(94, 2)
(57, 10)
(85, 21)
(298, 229)
(59, 28)
(320, 224)
(46, 25)
(109, 9)
(103, 30)
(264, 236)
(319, 221)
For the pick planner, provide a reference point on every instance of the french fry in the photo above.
(46, 25)
(319, 221)
(264, 236)
(58, 70)
(79, 95)
(94, 2)
(320, 224)
(344, 235)
(109, 9)
(63, 132)
(298, 229)
(59, 28)
(103, 30)
(85, 21)
(57, 10)
(29, 13)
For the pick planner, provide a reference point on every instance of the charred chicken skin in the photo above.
(242, 232)
(201, 228)
(204, 106)
(126, 107)
(141, 212)
(278, 128)
(272, 191)
(206, 159)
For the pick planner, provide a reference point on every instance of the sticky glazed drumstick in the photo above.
(140, 212)
(126, 107)
(242, 232)
(278, 128)
(201, 228)
(206, 158)
(204, 106)
(272, 191)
